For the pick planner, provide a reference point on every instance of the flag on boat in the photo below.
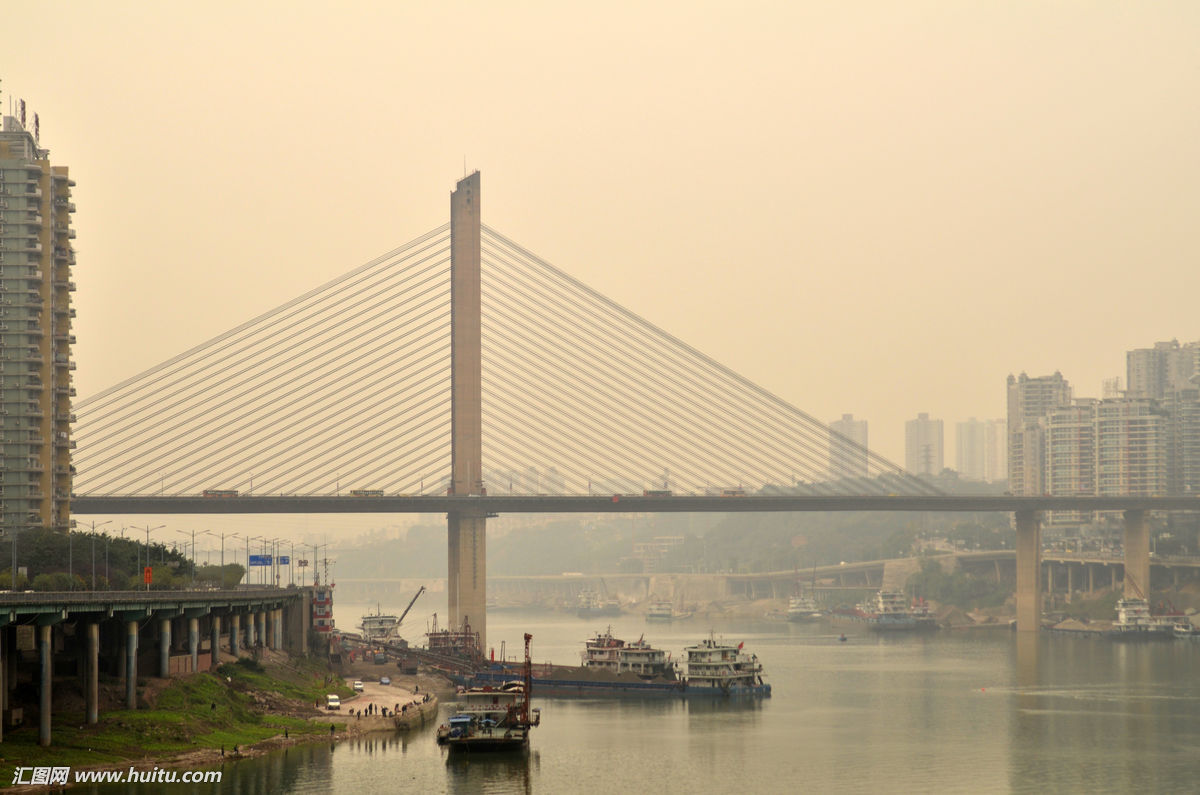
(740, 645)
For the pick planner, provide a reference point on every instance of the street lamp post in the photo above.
(185, 532)
(93, 524)
(148, 530)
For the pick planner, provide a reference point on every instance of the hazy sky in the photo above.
(875, 207)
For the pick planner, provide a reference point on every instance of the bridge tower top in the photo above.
(466, 379)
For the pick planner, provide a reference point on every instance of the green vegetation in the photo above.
(958, 588)
(203, 711)
(51, 557)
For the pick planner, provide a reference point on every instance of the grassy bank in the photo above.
(239, 704)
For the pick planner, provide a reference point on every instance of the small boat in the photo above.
(1186, 630)
(492, 719)
(717, 668)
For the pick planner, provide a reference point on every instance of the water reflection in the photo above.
(1096, 715)
(495, 772)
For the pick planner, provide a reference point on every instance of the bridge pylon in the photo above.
(467, 558)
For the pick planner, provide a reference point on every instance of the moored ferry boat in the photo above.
(889, 611)
(379, 625)
(717, 668)
(603, 652)
(492, 719)
(803, 608)
(660, 610)
(1135, 622)
(591, 605)
(613, 668)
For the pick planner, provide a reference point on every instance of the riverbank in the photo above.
(245, 708)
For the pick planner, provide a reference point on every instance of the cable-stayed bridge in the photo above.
(347, 388)
(462, 373)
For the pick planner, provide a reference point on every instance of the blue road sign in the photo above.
(260, 560)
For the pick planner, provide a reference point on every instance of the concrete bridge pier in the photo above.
(46, 650)
(194, 641)
(467, 569)
(1029, 564)
(277, 614)
(235, 628)
(93, 672)
(1137, 555)
(260, 628)
(214, 640)
(131, 648)
(164, 647)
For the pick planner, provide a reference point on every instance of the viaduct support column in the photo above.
(1137, 555)
(465, 531)
(214, 641)
(235, 627)
(194, 642)
(164, 647)
(260, 629)
(93, 672)
(131, 639)
(1029, 563)
(278, 614)
(45, 646)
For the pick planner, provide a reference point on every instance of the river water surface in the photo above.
(945, 712)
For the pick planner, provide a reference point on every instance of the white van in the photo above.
(333, 702)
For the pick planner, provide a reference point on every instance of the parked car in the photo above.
(383, 680)
(333, 702)
(357, 685)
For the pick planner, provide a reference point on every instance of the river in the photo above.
(944, 712)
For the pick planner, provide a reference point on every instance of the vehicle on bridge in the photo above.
(220, 492)
(366, 493)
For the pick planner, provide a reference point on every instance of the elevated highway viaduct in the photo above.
(126, 634)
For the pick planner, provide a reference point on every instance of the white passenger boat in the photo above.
(722, 669)
(1134, 622)
(803, 608)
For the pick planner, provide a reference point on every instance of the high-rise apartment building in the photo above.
(36, 256)
(980, 448)
(1132, 447)
(1070, 456)
(1157, 372)
(1183, 412)
(1030, 400)
(924, 446)
(848, 448)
